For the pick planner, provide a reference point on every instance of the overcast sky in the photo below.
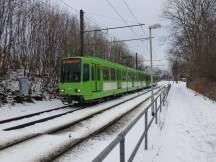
(146, 11)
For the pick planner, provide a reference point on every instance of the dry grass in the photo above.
(205, 86)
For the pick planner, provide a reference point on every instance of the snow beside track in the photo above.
(43, 147)
(34, 118)
(14, 136)
(186, 132)
(8, 111)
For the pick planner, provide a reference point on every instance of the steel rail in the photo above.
(101, 129)
(62, 114)
(81, 139)
(32, 114)
(121, 136)
(41, 120)
(70, 124)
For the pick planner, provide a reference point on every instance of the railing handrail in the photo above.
(124, 132)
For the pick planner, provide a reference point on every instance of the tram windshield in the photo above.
(70, 71)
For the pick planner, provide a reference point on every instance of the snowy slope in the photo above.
(7, 111)
(188, 131)
(56, 142)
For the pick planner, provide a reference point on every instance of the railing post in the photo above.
(166, 92)
(160, 103)
(164, 98)
(146, 135)
(122, 150)
(156, 112)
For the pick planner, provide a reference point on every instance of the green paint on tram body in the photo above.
(89, 78)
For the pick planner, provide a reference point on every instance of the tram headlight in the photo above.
(62, 90)
(77, 90)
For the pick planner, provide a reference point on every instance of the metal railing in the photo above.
(120, 139)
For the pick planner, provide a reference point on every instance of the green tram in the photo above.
(85, 79)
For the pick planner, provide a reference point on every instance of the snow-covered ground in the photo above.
(186, 132)
(56, 142)
(9, 111)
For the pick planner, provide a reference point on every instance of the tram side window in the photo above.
(105, 73)
(119, 77)
(132, 76)
(123, 75)
(85, 72)
(135, 76)
(113, 74)
(98, 73)
(129, 76)
(92, 72)
(148, 78)
(145, 77)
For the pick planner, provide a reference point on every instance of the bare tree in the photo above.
(194, 38)
(34, 36)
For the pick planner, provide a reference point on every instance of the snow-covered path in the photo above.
(189, 132)
(186, 132)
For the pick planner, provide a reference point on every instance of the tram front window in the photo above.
(70, 71)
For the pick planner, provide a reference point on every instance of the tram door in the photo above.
(119, 78)
(98, 83)
(93, 78)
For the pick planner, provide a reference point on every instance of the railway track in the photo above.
(101, 128)
(55, 130)
(31, 115)
(23, 134)
(17, 118)
(40, 120)
(39, 117)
